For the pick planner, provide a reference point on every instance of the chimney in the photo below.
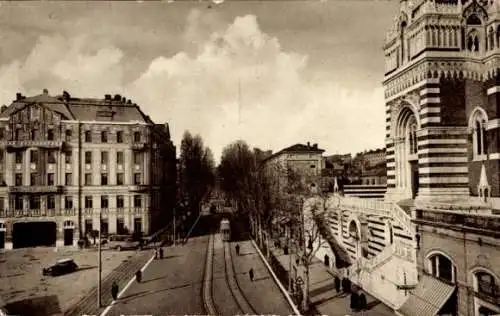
(124, 99)
(129, 101)
(315, 146)
(19, 96)
(45, 91)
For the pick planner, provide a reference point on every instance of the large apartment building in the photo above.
(68, 164)
(304, 161)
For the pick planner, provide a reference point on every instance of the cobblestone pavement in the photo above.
(122, 274)
(23, 282)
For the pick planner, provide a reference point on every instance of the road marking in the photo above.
(108, 308)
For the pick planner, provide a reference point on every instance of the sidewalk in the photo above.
(322, 292)
(263, 293)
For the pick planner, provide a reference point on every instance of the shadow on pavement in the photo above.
(323, 289)
(38, 306)
(372, 304)
(85, 268)
(131, 297)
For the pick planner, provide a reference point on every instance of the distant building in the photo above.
(305, 160)
(374, 157)
(65, 160)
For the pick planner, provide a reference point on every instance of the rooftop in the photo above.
(116, 109)
(298, 148)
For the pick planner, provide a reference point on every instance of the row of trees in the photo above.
(276, 191)
(197, 172)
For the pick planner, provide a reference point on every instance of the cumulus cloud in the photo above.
(237, 83)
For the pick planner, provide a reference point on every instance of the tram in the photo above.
(225, 230)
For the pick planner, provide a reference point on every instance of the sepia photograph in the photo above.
(250, 157)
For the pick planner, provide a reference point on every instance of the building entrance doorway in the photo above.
(69, 229)
(24, 236)
(414, 179)
(137, 225)
(68, 236)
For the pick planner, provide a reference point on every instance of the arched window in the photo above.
(402, 39)
(473, 41)
(442, 268)
(485, 284)
(478, 124)
(491, 44)
(473, 20)
(412, 135)
(498, 36)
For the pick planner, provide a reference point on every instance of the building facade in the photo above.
(441, 88)
(68, 164)
(442, 145)
(305, 161)
(457, 261)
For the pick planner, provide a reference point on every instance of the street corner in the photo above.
(26, 288)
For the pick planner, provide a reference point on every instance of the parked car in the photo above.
(121, 242)
(61, 267)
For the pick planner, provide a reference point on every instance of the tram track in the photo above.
(238, 300)
(241, 300)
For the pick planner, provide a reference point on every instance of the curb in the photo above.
(108, 308)
(282, 288)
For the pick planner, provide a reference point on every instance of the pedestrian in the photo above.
(354, 301)
(237, 249)
(337, 284)
(114, 290)
(362, 302)
(250, 274)
(138, 276)
(161, 253)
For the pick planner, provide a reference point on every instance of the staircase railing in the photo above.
(378, 208)
(381, 258)
(400, 215)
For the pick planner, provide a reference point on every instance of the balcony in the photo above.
(138, 210)
(12, 145)
(139, 146)
(36, 213)
(140, 188)
(57, 189)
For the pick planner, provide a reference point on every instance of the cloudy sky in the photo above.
(299, 70)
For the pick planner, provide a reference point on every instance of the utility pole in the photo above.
(99, 262)
(175, 224)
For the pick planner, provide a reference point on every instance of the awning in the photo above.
(427, 298)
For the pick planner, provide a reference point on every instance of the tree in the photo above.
(311, 240)
(242, 179)
(197, 170)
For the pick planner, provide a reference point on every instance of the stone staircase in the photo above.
(393, 266)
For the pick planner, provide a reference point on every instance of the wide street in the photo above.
(171, 285)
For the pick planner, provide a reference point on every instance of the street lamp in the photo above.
(99, 262)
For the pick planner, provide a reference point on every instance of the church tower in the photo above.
(442, 93)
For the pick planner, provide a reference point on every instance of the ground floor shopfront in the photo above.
(64, 230)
